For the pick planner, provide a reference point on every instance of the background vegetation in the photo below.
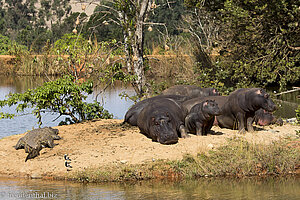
(221, 43)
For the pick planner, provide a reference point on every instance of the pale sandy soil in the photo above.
(106, 142)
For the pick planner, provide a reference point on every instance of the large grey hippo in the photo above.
(162, 120)
(238, 109)
(35, 140)
(201, 117)
(190, 90)
(131, 115)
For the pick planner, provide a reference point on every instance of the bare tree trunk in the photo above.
(138, 46)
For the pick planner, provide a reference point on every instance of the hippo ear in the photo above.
(266, 95)
(167, 114)
(205, 103)
(258, 91)
(152, 119)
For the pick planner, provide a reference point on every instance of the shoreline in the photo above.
(105, 150)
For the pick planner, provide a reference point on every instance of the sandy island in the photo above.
(106, 142)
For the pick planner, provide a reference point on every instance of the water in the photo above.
(110, 100)
(288, 103)
(251, 188)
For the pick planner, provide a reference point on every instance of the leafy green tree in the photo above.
(257, 42)
(5, 43)
(28, 22)
(64, 96)
(8, 47)
(72, 44)
(264, 39)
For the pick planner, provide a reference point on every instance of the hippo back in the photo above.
(190, 90)
(220, 100)
(131, 115)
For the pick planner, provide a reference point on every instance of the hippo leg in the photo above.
(199, 130)
(183, 131)
(241, 123)
(249, 124)
(279, 122)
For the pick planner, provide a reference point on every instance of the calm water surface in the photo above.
(210, 189)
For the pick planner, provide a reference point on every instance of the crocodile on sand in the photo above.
(35, 140)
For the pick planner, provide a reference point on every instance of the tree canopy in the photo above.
(235, 43)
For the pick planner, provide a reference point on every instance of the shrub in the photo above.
(64, 96)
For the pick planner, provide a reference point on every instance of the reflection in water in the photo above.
(267, 188)
(110, 100)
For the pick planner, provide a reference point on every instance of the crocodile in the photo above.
(35, 140)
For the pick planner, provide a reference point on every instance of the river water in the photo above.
(210, 189)
(268, 188)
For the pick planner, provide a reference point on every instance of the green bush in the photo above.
(4, 45)
(64, 96)
(72, 44)
(7, 47)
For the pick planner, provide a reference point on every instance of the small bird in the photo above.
(66, 157)
(67, 164)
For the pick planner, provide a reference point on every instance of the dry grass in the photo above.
(237, 158)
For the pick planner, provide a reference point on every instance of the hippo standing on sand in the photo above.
(265, 118)
(191, 90)
(162, 120)
(201, 117)
(131, 115)
(238, 109)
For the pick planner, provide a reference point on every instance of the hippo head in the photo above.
(211, 108)
(163, 129)
(261, 99)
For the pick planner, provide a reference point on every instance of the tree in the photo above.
(257, 41)
(28, 22)
(131, 17)
(264, 39)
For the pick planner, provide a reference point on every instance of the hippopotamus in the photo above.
(201, 117)
(264, 118)
(191, 90)
(162, 120)
(238, 109)
(131, 115)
